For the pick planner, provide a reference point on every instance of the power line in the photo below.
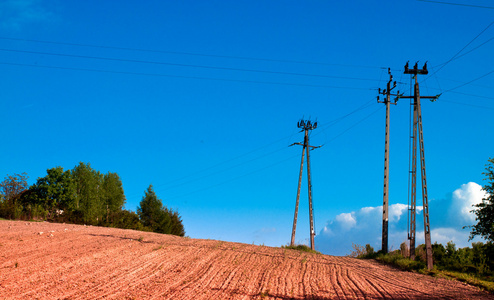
(190, 53)
(473, 80)
(179, 76)
(256, 171)
(233, 179)
(455, 56)
(247, 153)
(354, 125)
(182, 65)
(468, 104)
(444, 63)
(458, 4)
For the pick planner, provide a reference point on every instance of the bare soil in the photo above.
(63, 261)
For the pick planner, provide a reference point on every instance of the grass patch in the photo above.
(302, 248)
(471, 279)
(406, 264)
(401, 262)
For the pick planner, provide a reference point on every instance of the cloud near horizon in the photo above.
(364, 226)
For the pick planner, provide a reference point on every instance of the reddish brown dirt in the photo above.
(62, 261)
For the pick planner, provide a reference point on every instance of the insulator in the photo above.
(315, 125)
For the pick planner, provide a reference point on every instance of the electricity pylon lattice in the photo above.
(305, 126)
(417, 127)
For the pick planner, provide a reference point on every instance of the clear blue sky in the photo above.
(201, 99)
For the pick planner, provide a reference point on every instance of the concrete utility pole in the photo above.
(306, 126)
(387, 93)
(417, 126)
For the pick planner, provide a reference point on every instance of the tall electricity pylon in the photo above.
(306, 126)
(417, 126)
(387, 101)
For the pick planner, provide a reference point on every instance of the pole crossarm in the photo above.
(313, 147)
(387, 91)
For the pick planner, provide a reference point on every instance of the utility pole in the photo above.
(387, 101)
(305, 126)
(417, 127)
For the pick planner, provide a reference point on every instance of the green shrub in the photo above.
(303, 248)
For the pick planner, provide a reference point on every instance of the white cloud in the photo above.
(346, 221)
(395, 211)
(364, 226)
(463, 199)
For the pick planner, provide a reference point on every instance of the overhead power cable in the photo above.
(181, 65)
(271, 165)
(190, 53)
(467, 83)
(365, 105)
(446, 62)
(459, 4)
(232, 179)
(461, 50)
(468, 104)
(185, 77)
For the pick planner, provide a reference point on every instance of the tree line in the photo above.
(84, 195)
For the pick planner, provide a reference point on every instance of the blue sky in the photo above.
(201, 99)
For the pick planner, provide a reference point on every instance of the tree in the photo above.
(127, 219)
(485, 210)
(152, 214)
(157, 217)
(55, 192)
(11, 189)
(113, 194)
(177, 228)
(88, 185)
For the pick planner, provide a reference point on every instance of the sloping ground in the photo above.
(62, 261)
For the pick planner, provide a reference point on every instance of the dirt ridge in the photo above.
(63, 261)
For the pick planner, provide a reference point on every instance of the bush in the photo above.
(303, 248)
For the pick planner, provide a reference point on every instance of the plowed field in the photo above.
(61, 261)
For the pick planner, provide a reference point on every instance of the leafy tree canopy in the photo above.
(11, 189)
(12, 186)
(55, 191)
(484, 211)
(157, 217)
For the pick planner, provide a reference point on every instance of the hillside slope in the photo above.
(62, 261)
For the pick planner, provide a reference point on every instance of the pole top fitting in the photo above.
(306, 124)
(416, 69)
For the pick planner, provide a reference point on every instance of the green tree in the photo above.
(152, 213)
(55, 192)
(88, 185)
(177, 228)
(11, 189)
(127, 219)
(484, 211)
(113, 195)
(157, 217)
